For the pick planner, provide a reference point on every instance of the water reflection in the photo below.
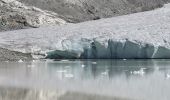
(85, 70)
(140, 79)
(107, 68)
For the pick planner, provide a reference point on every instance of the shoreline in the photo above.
(9, 93)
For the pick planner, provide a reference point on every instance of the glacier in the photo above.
(141, 35)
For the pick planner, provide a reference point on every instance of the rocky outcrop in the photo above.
(83, 10)
(15, 15)
(8, 55)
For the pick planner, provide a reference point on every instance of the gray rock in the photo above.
(15, 15)
(7, 55)
(83, 10)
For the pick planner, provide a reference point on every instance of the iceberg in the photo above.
(144, 35)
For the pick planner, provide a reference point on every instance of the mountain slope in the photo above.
(15, 15)
(83, 10)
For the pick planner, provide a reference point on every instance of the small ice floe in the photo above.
(105, 72)
(139, 72)
(124, 59)
(82, 66)
(64, 60)
(20, 61)
(69, 75)
(31, 66)
(94, 62)
(67, 67)
(61, 71)
(33, 60)
(143, 68)
(167, 76)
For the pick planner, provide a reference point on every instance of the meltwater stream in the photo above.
(129, 79)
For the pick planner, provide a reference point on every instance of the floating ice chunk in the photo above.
(61, 71)
(69, 75)
(139, 72)
(31, 66)
(94, 63)
(33, 60)
(143, 68)
(64, 60)
(104, 73)
(82, 66)
(167, 76)
(20, 61)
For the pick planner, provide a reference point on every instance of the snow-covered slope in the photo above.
(140, 35)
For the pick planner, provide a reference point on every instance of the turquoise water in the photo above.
(136, 79)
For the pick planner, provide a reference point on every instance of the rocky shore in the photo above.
(7, 55)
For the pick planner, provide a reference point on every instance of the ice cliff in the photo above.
(140, 35)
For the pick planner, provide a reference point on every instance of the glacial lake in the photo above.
(129, 79)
